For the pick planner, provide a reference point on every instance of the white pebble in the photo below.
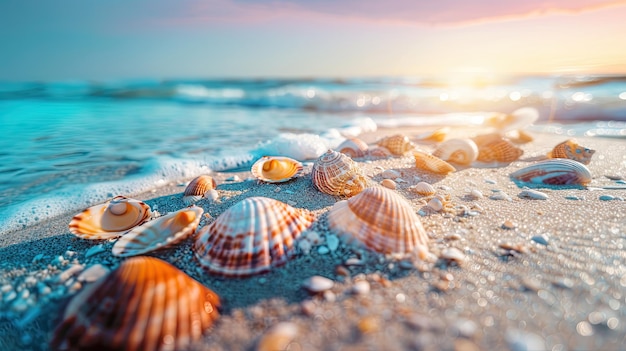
(313, 237)
(70, 272)
(490, 181)
(304, 246)
(323, 250)
(391, 174)
(361, 287)
(453, 254)
(332, 241)
(318, 284)
(278, 337)
(500, 196)
(533, 195)
(353, 261)
(389, 184)
(435, 204)
(477, 194)
(93, 273)
(212, 195)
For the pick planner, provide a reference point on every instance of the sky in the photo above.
(127, 39)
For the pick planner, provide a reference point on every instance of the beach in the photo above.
(533, 274)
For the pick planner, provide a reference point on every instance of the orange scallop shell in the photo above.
(111, 219)
(398, 144)
(423, 188)
(165, 231)
(336, 174)
(353, 147)
(276, 169)
(380, 219)
(251, 237)
(572, 150)
(197, 188)
(145, 304)
(431, 163)
(500, 150)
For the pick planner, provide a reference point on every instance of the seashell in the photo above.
(518, 119)
(423, 188)
(389, 184)
(391, 174)
(461, 151)
(251, 237)
(159, 233)
(532, 195)
(336, 174)
(379, 152)
(111, 219)
(572, 150)
(558, 171)
(499, 151)
(431, 163)
(145, 304)
(519, 136)
(397, 144)
(196, 189)
(436, 204)
(380, 219)
(353, 147)
(276, 169)
(436, 136)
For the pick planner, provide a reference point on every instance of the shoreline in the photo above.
(512, 290)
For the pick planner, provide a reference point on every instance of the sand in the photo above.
(555, 281)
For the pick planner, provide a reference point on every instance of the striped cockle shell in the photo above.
(460, 151)
(353, 147)
(431, 163)
(500, 150)
(380, 219)
(558, 171)
(251, 237)
(276, 169)
(397, 144)
(197, 188)
(572, 150)
(336, 174)
(145, 304)
(161, 232)
(423, 188)
(111, 219)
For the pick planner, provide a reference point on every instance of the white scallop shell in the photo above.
(558, 171)
(460, 151)
(423, 188)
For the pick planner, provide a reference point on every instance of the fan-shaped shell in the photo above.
(398, 144)
(572, 150)
(461, 151)
(145, 304)
(197, 188)
(423, 188)
(558, 171)
(380, 219)
(159, 233)
(336, 174)
(111, 219)
(353, 147)
(499, 151)
(431, 163)
(251, 237)
(276, 169)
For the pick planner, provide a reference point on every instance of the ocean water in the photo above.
(67, 145)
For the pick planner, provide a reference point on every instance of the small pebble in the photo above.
(574, 197)
(94, 250)
(353, 261)
(308, 307)
(435, 204)
(533, 195)
(361, 287)
(453, 254)
(509, 225)
(540, 239)
(313, 236)
(278, 337)
(304, 246)
(317, 283)
(323, 250)
(476, 194)
(519, 340)
(389, 184)
(212, 195)
(500, 196)
(490, 181)
(93, 273)
(391, 174)
(332, 241)
(606, 197)
(369, 324)
(70, 272)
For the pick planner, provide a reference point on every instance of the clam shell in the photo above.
(397, 144)
(353, 147)
(558, 171)
(379, 152)
(431, 163)
(499, 151)
(251, 237)
(276, 169)
(423, 188)
(436, 136)
(461, 151)
(196, 189)
(572, 150)
(336, 174)
(111, 219)
(145, 304)
(380, 219)
(159, 233)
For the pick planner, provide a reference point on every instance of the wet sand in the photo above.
(555, 281)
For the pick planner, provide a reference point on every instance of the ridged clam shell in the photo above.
(276, 169)
(145, 304)
(398, 144)
(196, 189)
(336, 174)
(572, 150)
(251, 237)
(159, 233)
(380, 219)
(423, 188)
(431, 163)
(111, 219)
(558, 171)
(461, 151)
(499, 151)
(353, 147)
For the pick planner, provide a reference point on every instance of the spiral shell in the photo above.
(398, 144)
(111, 219)
(145, 304)
(423, 188)
(353, 147)
(572, 150)
(276, 169)
(159, 233)
(461, 151)
(196, 189)
(251, 237)
(336, 174)
(558, 171)
(431, 163)
(498, 150)
(380, 219)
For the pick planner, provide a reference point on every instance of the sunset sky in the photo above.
(119, 39)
